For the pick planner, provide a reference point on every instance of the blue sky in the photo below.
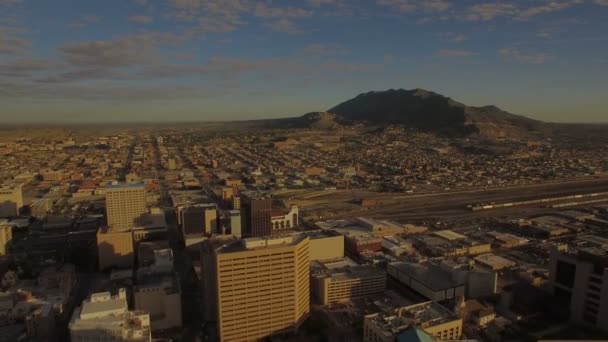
(185, 60)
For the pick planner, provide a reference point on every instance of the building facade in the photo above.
(11, 200)
(285, 219)
(346, 284)
(579, 281)
(256, 209)
(6, 235)
(104, 317)
(261, 287)
(115, 248)
(125, 205)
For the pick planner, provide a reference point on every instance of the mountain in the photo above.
(429, 111)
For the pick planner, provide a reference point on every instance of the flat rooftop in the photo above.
(124, 185)
(260, 243)
(431, 276)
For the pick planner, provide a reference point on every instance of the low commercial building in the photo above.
(507, 240)
(341, 281)
(104, 317)
(427, 279)
(157, 292)
(431, 317)
(494, 262)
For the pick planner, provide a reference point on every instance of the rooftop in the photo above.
(124, 185)
(260, 243)
(432, 276)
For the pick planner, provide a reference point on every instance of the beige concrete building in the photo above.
(261, 286)
(6, 235)
(325, 246)
(431, 317)
(103, 317)
(11, 199)
(339, 281)
(115, 248)
(125, 205)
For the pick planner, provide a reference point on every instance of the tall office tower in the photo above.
(11, 199)
(236, 202)
(256, 212)
(192, 221)
(211, 221)
(6, 235)
(125, 205)
(103, 317)
(579, 282)
(115, 248)
(235, 223)
(260, 286)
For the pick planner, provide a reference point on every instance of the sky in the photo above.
(195, 60)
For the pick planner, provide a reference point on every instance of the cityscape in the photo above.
(307, 171)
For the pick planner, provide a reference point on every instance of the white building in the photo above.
(103, 317)
(282, 219)
(158, 292)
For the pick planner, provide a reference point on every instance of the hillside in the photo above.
(430, 111)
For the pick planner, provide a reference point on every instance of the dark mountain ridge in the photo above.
(426, 110)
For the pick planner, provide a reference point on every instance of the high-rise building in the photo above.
(192, 221)
(6, 235)
(235, 223)
(199, 219)
(256, 212)
(11, 199)
(115, 248)
(236, 202)
(103, 317)
(125, 205)
(260, 286)
(579, 282)
(211, 221)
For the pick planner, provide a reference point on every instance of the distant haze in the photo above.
(197, 60)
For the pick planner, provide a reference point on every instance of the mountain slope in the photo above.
(430, 111)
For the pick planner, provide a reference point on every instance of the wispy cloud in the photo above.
(85, 21)
(322, 50)
(285, 26)
(455, 53)
(490, 11)
(548, 7)
(12, 40)
(141, 19)
(453, 37)
(116, 53)
(602, 2)
(515, 54)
